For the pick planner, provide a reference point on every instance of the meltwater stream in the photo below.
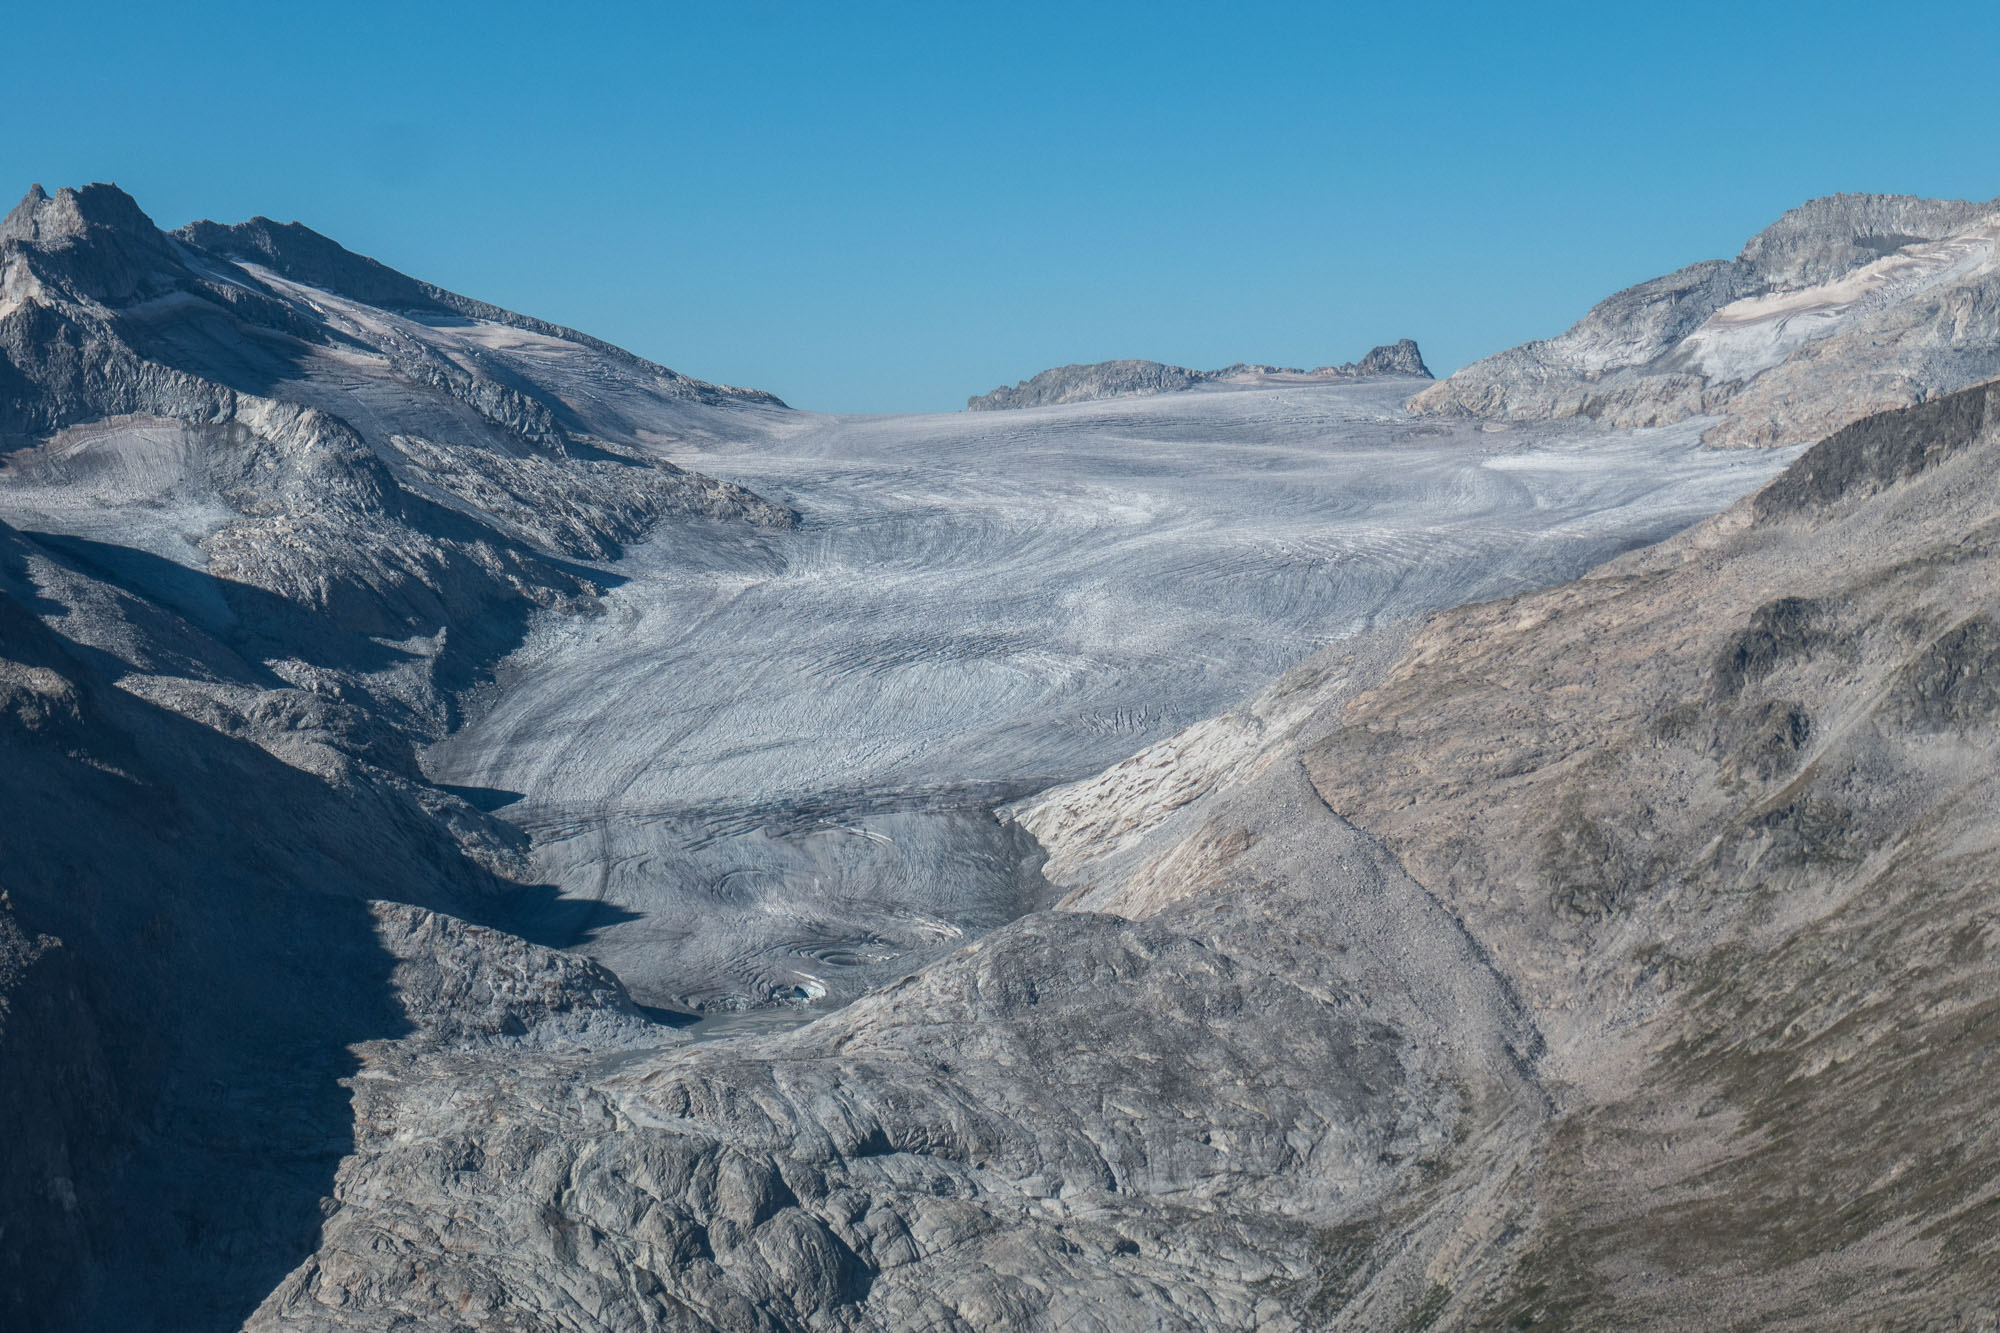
(773, 760)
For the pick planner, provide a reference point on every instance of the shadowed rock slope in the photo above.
(1609, 956)
(1131, 379)
(1843, 307)
(256, 539)
(202, 911)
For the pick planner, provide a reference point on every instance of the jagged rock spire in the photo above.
(46, 219)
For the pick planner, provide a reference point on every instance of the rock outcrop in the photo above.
(1844, 307)
(1718, 812)
(1128, 379)
(1397, 358)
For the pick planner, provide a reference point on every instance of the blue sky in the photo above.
(872, 207)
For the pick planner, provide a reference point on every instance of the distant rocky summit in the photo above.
(1844, 306)
(1131, 379)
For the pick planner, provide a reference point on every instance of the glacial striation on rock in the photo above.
(1845, 306)
(1126, 379)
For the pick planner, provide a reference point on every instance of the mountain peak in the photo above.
(1825, 237)
(1133, 379)
(1397, 358)
(70, 213)
(1897, 295)
(20, 222)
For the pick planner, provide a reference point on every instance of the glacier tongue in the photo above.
(772, 762)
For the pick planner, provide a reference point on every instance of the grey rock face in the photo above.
(1126, 379)
(391, 475)
(459, 983)
(215, 883)
(993, 1142)
(1844, 307)
(57, 1103)
(1719, 812)
(302, 255)
(1397, 358)
(1824, 238)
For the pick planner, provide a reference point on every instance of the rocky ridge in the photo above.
(1125, 379)
(1845, 306)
